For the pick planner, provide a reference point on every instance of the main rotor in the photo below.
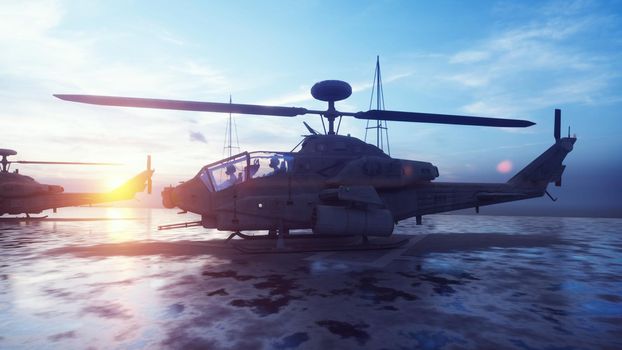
(329, 91)
(6, 164)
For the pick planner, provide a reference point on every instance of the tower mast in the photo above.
(382, 131)
(231, 129)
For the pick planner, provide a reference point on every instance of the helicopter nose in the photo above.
(168, 197)
(191, 195)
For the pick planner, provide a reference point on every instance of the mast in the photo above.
(382, 131)
(231, 129)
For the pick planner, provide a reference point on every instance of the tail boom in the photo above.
(438, 197)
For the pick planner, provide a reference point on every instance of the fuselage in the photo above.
(338, 177)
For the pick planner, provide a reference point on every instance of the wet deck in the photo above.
(548, 283)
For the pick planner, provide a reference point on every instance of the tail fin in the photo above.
(548, 166)
(149, 182)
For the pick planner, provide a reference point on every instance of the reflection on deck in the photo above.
(460, 282)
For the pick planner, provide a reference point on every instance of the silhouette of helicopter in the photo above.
(21, 194)
(335, 185)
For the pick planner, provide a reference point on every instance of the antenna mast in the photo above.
(231, 128)
(382, 130)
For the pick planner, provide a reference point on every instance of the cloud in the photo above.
(542, 63)
(197, 136)
(469, 80)
(358, 87)
(41, 56)
(469, 56)
(397, 76)
(302, 95)
(27, 20)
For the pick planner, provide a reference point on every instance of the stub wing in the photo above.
(352, 194)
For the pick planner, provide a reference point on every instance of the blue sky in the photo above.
(489, 58)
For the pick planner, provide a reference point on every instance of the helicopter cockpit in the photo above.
(244, 166)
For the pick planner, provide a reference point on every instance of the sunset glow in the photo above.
(504, 166)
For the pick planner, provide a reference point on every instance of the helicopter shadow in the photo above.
(420, 245)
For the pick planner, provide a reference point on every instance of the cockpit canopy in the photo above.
(244, 166)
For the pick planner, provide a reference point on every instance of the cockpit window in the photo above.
(225, 173)
(268, 164)
(237, 169)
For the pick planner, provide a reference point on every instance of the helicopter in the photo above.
(21, 194)
(333, 184)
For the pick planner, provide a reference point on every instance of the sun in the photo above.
(112, 182)
(505, 166)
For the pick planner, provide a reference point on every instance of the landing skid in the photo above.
(22, 218)
(249, 237)
(304, 243)
(274, 237)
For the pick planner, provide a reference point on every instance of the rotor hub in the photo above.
(4, 163)
(7, 152)
(331, 90)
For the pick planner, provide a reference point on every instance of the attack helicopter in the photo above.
(21, 194)
(333, 184)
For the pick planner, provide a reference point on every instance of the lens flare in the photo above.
(504, 167)
(113, 182)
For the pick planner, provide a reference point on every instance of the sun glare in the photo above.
(119, 213)
(113, 182)
(118, 225)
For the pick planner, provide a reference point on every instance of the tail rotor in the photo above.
(566, 143)
(149, 181)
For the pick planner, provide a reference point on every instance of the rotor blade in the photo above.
(187, 105)
(441, 119)
(61, 163)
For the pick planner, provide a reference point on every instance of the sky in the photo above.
(502, 59)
